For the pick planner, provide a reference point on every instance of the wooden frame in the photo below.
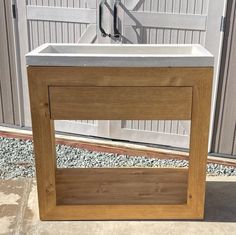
(194, 85)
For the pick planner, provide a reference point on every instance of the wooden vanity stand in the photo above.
(93, 93)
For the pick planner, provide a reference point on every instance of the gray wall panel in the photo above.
(5, 72)
(224, 139)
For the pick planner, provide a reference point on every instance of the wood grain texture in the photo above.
(121, 186)
(120, 212)
(41, 79)
(94, 76)
(119, 103)
(199, 144)
(44, 145)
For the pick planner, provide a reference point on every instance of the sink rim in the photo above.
(201, 59)
(39, 50)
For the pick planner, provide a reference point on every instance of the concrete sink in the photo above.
(110, 55)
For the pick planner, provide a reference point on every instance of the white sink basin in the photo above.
(110, 55)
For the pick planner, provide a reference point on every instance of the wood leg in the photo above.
(199, 145)
(44, 146)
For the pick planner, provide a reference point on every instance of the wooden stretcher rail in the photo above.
(120, 103)
(121, 186)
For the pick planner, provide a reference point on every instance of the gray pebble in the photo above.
(17, 160)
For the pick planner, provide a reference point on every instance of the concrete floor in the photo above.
(19, 214)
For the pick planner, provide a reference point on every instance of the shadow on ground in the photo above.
(220, 201)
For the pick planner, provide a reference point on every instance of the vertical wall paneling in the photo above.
(155, 34)
(5, 75)
(215, 14)
(25, 45)
(46, 31)
(174, 133)
(224, 136)
(10, 100)
(1, 106)
(52, 31)
(14, 68)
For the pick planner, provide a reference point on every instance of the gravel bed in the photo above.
(17, 160)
